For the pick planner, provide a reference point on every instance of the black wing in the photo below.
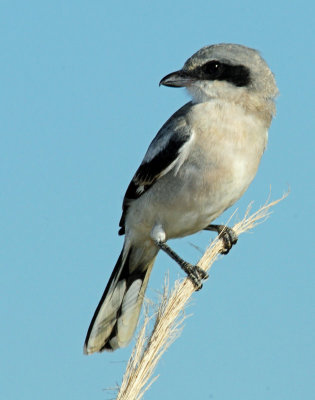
(163, 155)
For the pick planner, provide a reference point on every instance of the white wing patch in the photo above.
(182, 156)
(159, 145)
(140, 189)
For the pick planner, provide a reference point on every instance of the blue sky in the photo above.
(79, 104)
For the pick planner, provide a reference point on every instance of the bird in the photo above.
(198, 165)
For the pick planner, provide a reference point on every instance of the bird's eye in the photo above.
(213, 69)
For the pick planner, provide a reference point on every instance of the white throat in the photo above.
(202, 91)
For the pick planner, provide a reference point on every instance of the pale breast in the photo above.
(222, 161)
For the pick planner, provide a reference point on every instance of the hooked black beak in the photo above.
(177, 79)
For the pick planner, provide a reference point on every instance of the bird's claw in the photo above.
(196, 275)
(229, 238)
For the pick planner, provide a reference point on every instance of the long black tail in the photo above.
(116, 316)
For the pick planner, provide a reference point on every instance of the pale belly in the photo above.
(187, 202)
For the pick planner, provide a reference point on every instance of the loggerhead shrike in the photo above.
(200, 163)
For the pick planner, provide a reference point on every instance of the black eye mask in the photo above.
(238, 75)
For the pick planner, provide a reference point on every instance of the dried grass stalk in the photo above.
(170, 315)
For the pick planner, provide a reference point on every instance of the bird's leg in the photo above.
(228, 236)
(195, 273)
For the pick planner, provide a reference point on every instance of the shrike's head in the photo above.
(226, 71)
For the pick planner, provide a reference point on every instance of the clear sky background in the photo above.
(79, 104)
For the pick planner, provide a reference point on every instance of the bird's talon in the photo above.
(203, 274)
(229, 238)
(197, 275)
